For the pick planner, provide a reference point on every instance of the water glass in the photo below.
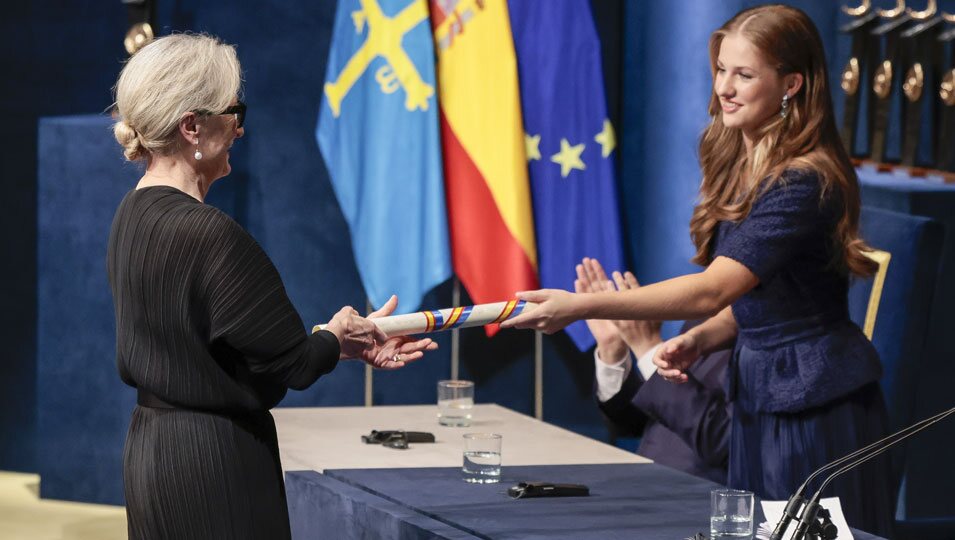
(455, 403)
(482, 458)
(731, 513)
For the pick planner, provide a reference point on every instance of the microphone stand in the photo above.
(808, 515)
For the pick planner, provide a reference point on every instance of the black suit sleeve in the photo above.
(698, 413)
(621, 410)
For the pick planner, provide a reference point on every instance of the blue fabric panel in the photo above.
(568, 388)
(58, 58)
(902, 193)
(643, 501)
(17, 281)
(82, 406)
(927, 485)
(322, 507)
(901, 330)
(614, 507)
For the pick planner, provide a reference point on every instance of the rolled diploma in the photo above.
(424, 322)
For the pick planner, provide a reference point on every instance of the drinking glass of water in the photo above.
(731, 513)
(455, 403)
(482, 458)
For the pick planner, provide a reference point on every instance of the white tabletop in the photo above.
(319, 438)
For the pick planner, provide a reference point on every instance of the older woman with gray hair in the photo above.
(205, 330)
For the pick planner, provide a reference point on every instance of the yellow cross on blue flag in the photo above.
(378, 133)
(569, 141)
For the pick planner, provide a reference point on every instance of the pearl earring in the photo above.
(198, 154)
(784, 112)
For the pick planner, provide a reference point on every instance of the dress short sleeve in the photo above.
(786, 220)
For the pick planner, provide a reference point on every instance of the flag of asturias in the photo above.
(570, 142)
(489, 203)
(378, 132)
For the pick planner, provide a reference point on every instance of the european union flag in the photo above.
(569, 140)
(378, 132)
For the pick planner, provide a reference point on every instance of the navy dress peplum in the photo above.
(803, 378)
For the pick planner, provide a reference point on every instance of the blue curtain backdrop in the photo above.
(61, 58)
(56, 58)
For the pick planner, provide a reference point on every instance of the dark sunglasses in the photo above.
(238, 110)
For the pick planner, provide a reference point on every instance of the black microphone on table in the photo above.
(808, 516)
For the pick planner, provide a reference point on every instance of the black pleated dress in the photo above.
(208, 336)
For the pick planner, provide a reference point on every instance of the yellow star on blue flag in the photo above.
(532, 145)
(607, 139)
(569, 158)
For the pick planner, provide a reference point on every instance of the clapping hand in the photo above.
(610, 346)
(639, 336)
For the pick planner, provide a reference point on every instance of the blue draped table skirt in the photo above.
(627, 501)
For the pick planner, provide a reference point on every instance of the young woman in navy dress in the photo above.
(777, 228)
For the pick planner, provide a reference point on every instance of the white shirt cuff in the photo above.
(645, 362)
(610, 377)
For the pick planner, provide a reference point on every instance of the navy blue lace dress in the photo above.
(804, 378)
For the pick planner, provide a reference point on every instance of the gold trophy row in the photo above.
(908, 122)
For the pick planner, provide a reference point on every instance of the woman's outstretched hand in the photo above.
(553, 312)
(675, 356)
(395, 352)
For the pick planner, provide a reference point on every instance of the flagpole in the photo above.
(538, 375)
(369, 371)
(455, 333)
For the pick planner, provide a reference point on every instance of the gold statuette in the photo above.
(859, 10)
(947, 88)
(850, 77)
(882, 85)
(138, 36)
(894, 12)
(931, 8)
(914, 80)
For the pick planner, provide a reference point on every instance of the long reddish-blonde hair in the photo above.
(806, 139)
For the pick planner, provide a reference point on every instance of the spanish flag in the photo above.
(489, 203)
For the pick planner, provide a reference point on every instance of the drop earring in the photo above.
(198, 154)
(784, 112)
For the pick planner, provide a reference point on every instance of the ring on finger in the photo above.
(396, 358)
